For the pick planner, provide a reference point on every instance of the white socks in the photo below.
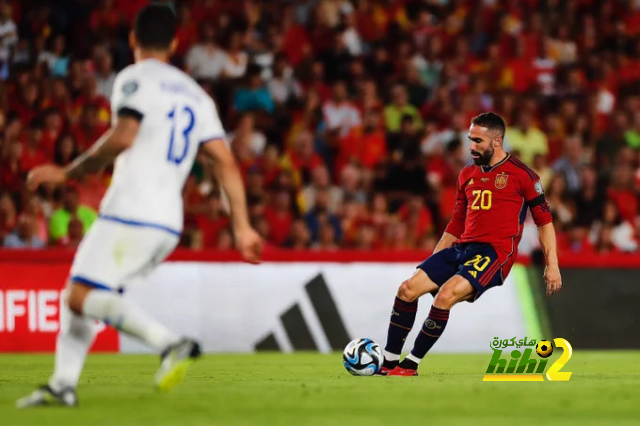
(417, 360)
(74, 340)
(388, 356)
(119, 313)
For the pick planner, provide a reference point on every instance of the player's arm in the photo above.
(446, 241)
(227, 173)
(552, 271)
(455, 228)
(541, 213)
(115, 140)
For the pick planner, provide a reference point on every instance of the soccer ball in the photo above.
(544, 348)
(362, 357)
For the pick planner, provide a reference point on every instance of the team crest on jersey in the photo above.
(501, 180)
(129, 87)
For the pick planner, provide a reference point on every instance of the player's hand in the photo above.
(249, 244)
(45, 174)
(553, 279)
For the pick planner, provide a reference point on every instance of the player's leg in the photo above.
(478, 271)
(150, 248)
(454, 291)
(436, 269)
(74, 339)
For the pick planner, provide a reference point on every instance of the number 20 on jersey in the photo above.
(481, 199)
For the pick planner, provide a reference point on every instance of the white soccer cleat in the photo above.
(47, 396)
(176, 359)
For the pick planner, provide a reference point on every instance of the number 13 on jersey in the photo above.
(177, 154)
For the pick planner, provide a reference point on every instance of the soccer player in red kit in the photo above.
(479, 245)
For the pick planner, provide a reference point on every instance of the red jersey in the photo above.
(491, 206)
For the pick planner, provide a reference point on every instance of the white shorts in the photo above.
(113, 255)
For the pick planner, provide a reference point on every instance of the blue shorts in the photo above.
(477, 262)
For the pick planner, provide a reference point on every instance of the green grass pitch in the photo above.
(313, 389)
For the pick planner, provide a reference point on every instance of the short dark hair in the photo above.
(491, 121)
(155, 27)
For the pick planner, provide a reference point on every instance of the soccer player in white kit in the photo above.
(161, 118)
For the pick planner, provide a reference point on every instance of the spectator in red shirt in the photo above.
(104, 21)
(53, 124)
(186, 33)
(65, 150)
(303, 158)
(89, 129)
(91, 96)
(417, 216)
(213, 222)
(74, 236)
(58, 97)
(27, 107)
(280, 218)
(365, 145)
(8, 215)
(32, 154)
(11, 175)
(622, 193)
(299, 237)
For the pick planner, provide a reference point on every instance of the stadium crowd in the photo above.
(348, 118)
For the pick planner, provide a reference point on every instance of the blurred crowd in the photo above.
(348, 118)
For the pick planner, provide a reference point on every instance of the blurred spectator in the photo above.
(213, 222)
(399, 108)
(65, 150)
(105, 76)
(24, 235)
(526, 139)
(237, 59)
(320, 181)
(364, 145)
(8, 33)
(35, 210)
(340, 114)
(247, 137)
(299, 237)
(558, 197)
(280, 218)
(8, 215)
(326, 238)
(254, 96)
(570, 164)
(74, 236)
(206, 60)
(283, 86)
(611, 232)
(71, 208)
(32, 153)
(320, 214)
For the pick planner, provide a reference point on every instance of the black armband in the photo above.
(126, 112)
(539, 200)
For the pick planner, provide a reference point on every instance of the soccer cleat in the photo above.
(402, 372)
(46, 396)
(176, 359)
(383, 371)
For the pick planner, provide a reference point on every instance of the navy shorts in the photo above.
(477, 262)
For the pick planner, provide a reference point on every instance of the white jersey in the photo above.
(176, 117)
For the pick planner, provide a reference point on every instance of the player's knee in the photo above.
(75, 297)
(445, 299)
(407, 291)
